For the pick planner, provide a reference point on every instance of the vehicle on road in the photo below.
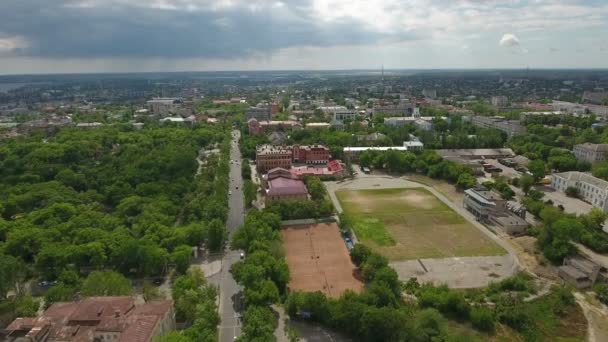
(230, 192)
(242, 256)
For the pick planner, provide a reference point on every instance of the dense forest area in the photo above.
(110, 198)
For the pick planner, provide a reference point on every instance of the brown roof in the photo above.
(83, 320)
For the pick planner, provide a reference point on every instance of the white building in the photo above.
(591, 153)
(500, 101)
(354, 152)
(591, 189)
(345, 114)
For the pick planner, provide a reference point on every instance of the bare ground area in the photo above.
(318, 259)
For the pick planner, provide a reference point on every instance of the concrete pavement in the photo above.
(231, 303)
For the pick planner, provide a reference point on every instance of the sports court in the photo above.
(318, 259)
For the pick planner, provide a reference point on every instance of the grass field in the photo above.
(412, 223)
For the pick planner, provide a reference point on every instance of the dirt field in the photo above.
(318, 259)
(411, 224)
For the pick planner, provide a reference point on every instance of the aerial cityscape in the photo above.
(311, 170)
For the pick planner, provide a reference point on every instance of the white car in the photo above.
(230, 192)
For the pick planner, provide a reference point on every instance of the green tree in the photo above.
(217, 235)
(537, 168)
(106, 283)
(526, 182)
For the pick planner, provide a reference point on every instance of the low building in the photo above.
(88, 125)
(96, 319)
(352, 153)
(371, 137)
(579, 272)
(333, 170)
(511, 127)
(259, 127)
(591, 189)
(318, 125)
(488, 206)
(400, 110)
(595, 97)
(476, 153)
(590, 153)
(282, 186)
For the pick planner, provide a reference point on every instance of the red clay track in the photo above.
(318, 259)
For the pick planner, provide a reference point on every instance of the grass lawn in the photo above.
(412, 223)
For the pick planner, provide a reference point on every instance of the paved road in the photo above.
(230, 293)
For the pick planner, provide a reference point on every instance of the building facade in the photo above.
(262, 113)
(500, 101)
(397, 110)
(591, 189)
(511, 127)
(269, 157)
(489, 206)
(164, 105)
(591, 153)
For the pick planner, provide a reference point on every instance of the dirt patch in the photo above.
(318, 260)
(418, 199)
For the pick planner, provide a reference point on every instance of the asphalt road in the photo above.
(230, 293)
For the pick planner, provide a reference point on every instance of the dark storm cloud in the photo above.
(54, 30)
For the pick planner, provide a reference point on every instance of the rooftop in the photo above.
(593, 147)
(286, 186)
(84, 320)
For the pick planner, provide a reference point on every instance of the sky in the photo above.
(73, 36)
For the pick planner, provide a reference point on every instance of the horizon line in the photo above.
(304, 70)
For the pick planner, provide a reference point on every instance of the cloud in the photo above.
(510, 41)
(174, 29)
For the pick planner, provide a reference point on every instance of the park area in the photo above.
(318, 259)
(412, 223)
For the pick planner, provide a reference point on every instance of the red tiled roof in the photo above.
(286, 186)
(81, 321)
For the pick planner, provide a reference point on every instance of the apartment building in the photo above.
(591, 189)
(499, 101)
(591, 153)
(164, 105)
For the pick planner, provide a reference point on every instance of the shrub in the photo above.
(482, 319)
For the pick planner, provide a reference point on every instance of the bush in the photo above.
(572, 192)
(482, 319)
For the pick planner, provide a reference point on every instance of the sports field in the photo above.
(318, 260)
(411, 224)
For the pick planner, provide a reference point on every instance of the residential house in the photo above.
(96, 319)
